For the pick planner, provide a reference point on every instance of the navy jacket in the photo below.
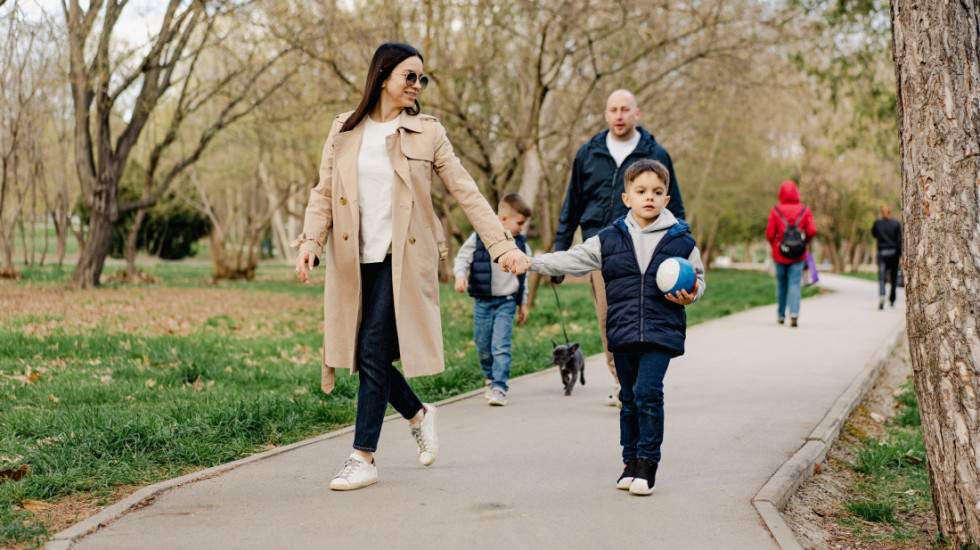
(594, 199)
(482, 267)
(639, 317)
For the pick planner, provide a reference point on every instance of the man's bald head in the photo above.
(621, 96)
(622, 115)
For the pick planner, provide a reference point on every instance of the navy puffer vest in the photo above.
(639, 317)
(483, 266)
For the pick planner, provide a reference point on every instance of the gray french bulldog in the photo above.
(570, 362)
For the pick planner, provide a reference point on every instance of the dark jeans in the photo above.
(641, 420)
(377, 348)
(888, 269)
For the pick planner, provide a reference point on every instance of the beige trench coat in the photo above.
(332, 222)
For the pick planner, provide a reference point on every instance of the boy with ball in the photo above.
(646, 323)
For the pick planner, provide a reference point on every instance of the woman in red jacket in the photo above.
(789, 256)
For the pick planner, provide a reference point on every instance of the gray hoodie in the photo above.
(586, 257)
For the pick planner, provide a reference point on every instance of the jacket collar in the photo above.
(411, 123)
(644, 147)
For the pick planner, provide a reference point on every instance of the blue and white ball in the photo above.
(675, 274)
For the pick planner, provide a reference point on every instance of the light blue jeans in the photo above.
(788, 288)
(493, 322)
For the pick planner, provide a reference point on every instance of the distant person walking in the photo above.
(593, 199)
(371, 215)
(789, 231)
(888, 233)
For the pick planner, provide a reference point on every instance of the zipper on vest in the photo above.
(643, 281)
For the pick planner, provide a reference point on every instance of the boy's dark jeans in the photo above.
(641, 420)
(377, 348)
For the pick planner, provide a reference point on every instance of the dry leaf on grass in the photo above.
(15, 474)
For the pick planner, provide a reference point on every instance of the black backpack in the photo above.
(793, 243)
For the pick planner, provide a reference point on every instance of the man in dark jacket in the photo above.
(888, 233)
(594, 197)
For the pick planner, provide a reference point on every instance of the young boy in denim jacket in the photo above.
(645, 328)
(497, 297)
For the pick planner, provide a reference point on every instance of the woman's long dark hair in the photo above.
(386, 58)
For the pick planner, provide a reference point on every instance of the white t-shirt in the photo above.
(375, 178)
(622, 149)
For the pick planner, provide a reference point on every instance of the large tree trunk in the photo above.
(92, 256)
(937, 65)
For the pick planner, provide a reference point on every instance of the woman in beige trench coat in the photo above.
(372, 218)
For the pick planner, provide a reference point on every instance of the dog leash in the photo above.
(561, 314)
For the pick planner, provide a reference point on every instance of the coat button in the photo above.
(411, 240)
(345, 236)
(343, 200)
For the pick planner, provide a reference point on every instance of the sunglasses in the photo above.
(412, 78)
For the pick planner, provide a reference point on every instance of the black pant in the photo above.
(377, 347)
(888, 267)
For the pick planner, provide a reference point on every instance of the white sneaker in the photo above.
(613, 399)
(498, 398)
(489, 391)
(355, 474)
(424, 433)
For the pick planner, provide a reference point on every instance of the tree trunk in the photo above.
(131, 239)
(92, 256)
(936, 48)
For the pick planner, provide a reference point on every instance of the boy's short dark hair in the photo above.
(646, 165)
(517, 204)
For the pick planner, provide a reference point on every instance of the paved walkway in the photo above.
(540, 472)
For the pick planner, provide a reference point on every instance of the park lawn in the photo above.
(37, 244)
(105, 391)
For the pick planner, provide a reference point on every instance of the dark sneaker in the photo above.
(793, 322)
(628, 473)
(645, 478)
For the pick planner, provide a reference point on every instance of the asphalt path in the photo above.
(541, 472)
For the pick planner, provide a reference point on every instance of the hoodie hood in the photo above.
(788, 193)
(664, 221)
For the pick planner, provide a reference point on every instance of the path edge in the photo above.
(63, 540)
(784, 482)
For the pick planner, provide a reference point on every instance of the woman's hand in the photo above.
(522, 314)
(684, 297)
(514, 261)
(305, 261)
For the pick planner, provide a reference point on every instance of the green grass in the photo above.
(71, 244)
(94, 411)
(892, 480)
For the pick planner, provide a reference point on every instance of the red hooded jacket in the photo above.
(789, 206)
